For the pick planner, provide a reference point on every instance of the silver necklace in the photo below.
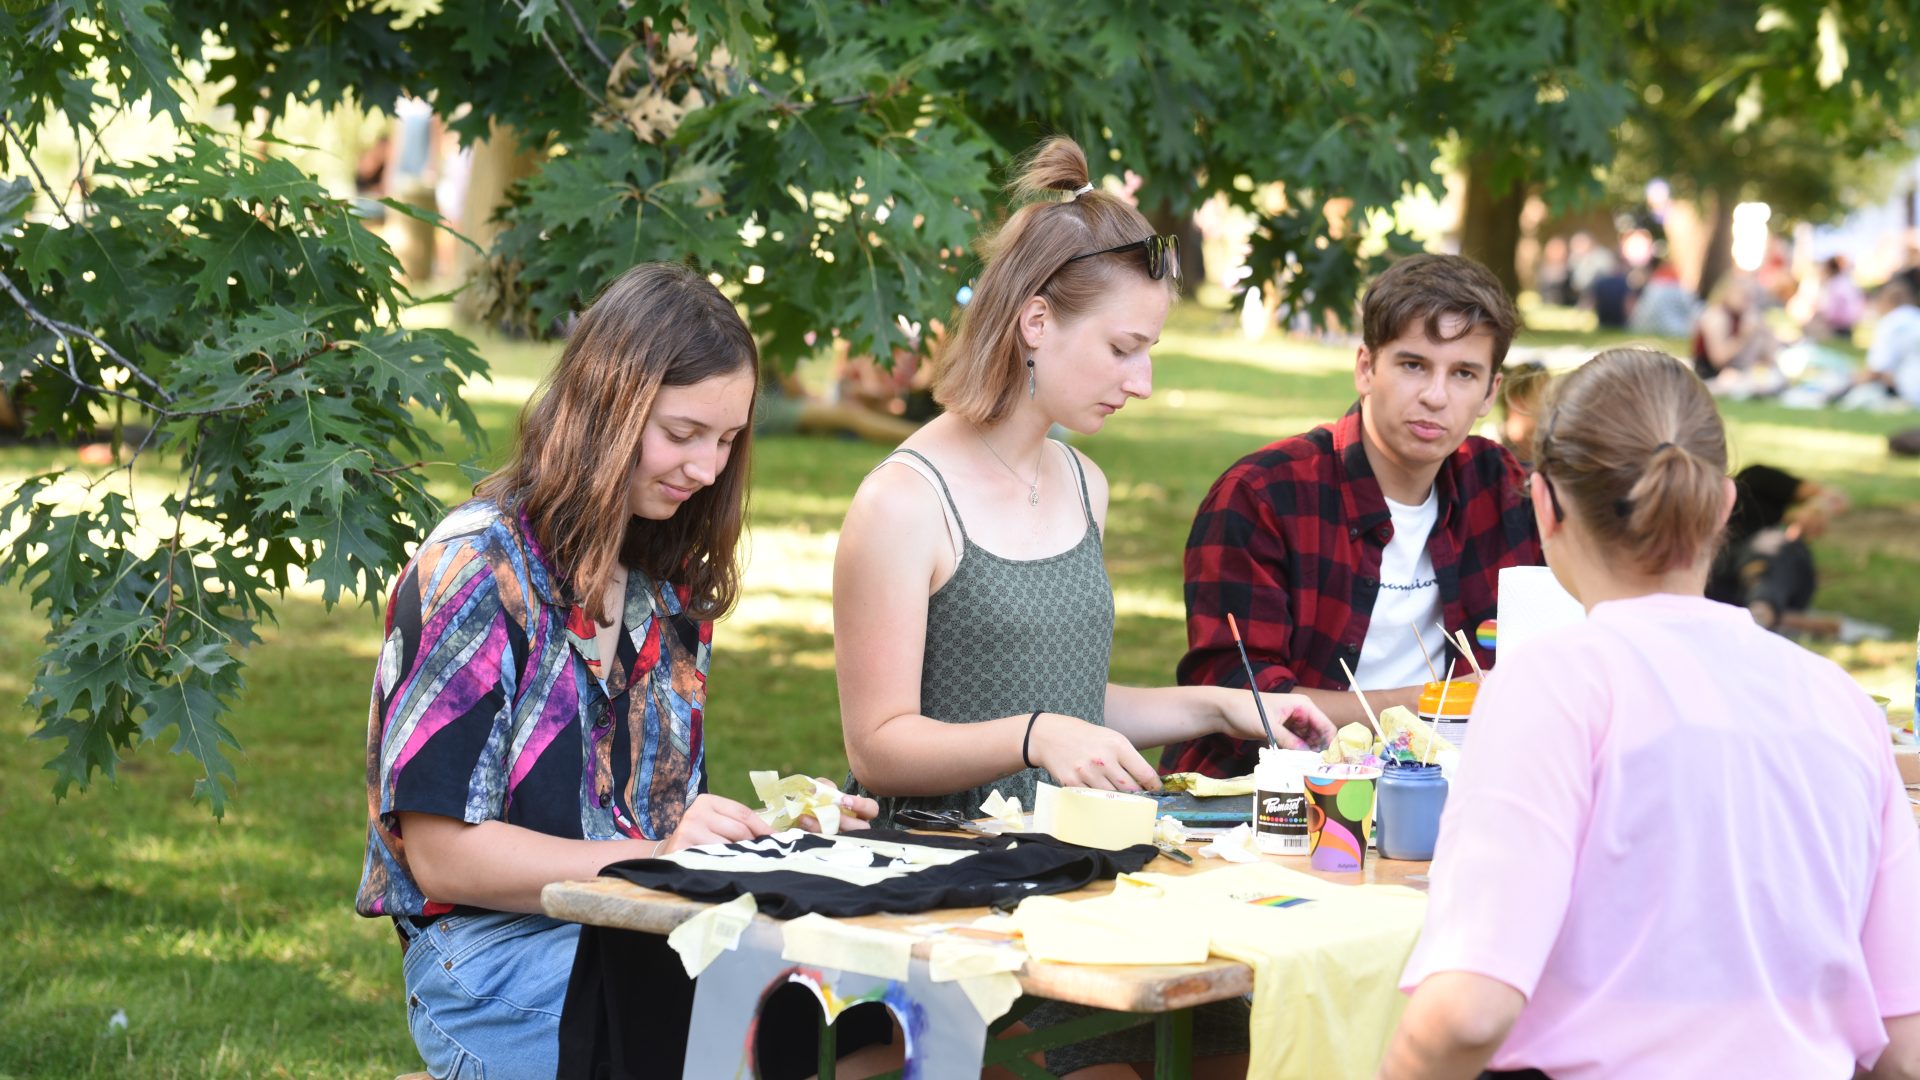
(1033, 485)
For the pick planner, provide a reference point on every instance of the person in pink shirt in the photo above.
(1678, 846)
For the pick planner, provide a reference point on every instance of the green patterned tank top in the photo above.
(1008, 636)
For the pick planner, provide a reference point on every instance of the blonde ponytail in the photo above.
(1673, 509)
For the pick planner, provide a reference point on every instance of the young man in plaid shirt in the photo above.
(1344, 542)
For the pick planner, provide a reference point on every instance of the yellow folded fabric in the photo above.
(1326, 958)
(1326, 961)
(1114, 929)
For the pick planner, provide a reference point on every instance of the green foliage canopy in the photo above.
(830, 162)
(242, 322)
(1778, 104)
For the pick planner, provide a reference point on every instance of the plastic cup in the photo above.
(1339, 816)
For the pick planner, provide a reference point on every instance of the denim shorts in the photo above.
(484, 992)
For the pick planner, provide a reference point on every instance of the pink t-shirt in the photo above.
(1683, 838)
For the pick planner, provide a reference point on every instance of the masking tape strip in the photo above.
(950, 960)
(816, 939)
(717, 929)
(992, 995)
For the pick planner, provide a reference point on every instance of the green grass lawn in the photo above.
(232, 947)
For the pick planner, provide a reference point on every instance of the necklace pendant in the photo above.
(1033, 496)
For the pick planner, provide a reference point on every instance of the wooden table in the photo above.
(1168, 993)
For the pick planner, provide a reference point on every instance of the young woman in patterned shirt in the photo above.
(537, 712)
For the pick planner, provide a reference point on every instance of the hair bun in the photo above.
(1057, 164)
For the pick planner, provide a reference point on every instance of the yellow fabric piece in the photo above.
(704, 937)
(1120, 928)
(1325, 972)
(1207, 787)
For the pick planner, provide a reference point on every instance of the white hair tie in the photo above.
(1082, 190)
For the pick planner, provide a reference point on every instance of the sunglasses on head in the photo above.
(1546, 452)
(1163, 255)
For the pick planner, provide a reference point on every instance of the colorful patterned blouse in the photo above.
(488, 705)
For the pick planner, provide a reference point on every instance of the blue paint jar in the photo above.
(1407, 817)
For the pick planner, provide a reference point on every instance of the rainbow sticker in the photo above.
(1280, 901)
(1488, 633)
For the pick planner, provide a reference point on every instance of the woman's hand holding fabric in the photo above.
(711, 819)
(855, 812)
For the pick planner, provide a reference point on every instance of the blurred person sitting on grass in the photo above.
(1664, 307)
(866, 401)
(1893, 359)
(1523, 388)
(1733, 350)
(1680, 846)
(1765, 563)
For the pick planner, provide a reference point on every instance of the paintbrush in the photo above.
(1466, 650)
(1354, 684)
(1462, 646)
(1424, 654)
(1433, 728)
(1258, 705)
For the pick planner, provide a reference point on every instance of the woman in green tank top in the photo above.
(973, 617)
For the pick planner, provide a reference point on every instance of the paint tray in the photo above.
(1220, 811)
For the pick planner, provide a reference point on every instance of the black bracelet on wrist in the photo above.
(1026, 742)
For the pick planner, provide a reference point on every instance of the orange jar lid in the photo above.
(1459, 699)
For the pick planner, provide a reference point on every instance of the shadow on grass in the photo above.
(238, 1017)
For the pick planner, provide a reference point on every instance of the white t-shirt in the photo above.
(1409, 593)
(1896, 349)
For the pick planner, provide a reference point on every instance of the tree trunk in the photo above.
(498, 163)
(1717, 259)
(1490, 227)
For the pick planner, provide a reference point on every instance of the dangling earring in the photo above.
(1032, 388)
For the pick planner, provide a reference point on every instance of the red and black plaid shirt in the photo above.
(1289, 540)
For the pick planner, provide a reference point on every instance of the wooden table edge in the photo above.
(1153, 988)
